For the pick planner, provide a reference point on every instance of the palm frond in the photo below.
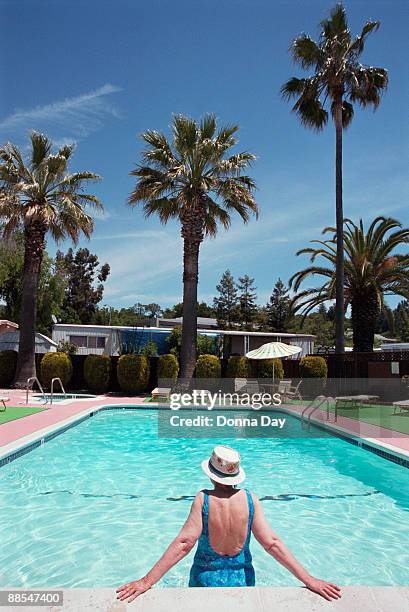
(293, 88)
(306, 52)
(40, 147)
(208, 126)
(310, 109)
(336, 26)
(358, 44)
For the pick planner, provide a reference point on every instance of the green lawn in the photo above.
(13, 413)
(379, 415)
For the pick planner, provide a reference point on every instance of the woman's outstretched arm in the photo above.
(277, 549)
(179, 548)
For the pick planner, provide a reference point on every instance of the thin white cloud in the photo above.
(67, 120)
(143, 234)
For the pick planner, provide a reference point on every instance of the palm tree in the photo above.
(342, 80)
(38, 196)
(372, 270)
(197, 180)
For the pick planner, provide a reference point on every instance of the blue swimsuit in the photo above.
(213, 570)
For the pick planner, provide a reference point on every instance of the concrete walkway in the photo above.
(256, 599)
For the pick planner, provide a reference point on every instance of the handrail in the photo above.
(34, 379)
(52, 388)
(321, 399)
(311, 405)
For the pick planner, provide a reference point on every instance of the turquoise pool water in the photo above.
(97, 505)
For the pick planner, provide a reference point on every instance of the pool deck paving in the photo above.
(251, 599)
(14, 434)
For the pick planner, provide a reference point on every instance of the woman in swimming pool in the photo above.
(222, 519)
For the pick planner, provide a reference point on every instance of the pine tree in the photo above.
(84, 284)
(279, 308)
(226, 304)
(401, 320)
(247, 301)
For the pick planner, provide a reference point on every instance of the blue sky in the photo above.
(99, 73)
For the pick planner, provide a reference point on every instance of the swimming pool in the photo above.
(97, 505)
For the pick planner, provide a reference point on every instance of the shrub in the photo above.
(150, 349)
(205, 345)
(97, 372)
(168, 367)
(55, 365)
(208, 366)
(8, 362)
(133, 373)
(270, 368)
(313, 367)
(238, 367)
(64, 346)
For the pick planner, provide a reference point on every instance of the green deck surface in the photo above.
(13, 413)
(380, 415)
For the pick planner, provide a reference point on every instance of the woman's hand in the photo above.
(327, 590)
(132, 590)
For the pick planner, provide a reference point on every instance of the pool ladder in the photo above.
(52, 388)
(314, 405)
(34, 379)
(31, 381)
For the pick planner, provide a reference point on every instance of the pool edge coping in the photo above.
(232, 599)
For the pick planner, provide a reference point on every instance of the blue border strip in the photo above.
(26, 449)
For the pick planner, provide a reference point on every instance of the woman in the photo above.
(222, 520)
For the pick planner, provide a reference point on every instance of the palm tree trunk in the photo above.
(192, 232)
(339, 283)
(365, 310)
(34, 244)
(189, 329)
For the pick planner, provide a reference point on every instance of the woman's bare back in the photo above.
(228, 520)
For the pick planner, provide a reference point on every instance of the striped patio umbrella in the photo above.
(273, 350)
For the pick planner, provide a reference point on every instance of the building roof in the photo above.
(6, 325)
(200, 320)
(13, 336)
(243, 332)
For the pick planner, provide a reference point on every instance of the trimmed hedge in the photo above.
(55, 365)
(270, 368)
(97, 372)
(168, 367)
(313, 367)
(208, 366)
(8, 362)
(238, 367)
(133, 373)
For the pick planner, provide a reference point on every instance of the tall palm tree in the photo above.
(372, 270)
(195, 179)
(38, 195)
(340, 78)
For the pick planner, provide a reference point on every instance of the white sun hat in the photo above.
(224, 466)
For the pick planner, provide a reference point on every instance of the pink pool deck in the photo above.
(388, 439)
(26, 427)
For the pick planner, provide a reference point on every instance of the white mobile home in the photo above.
(106, 339)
